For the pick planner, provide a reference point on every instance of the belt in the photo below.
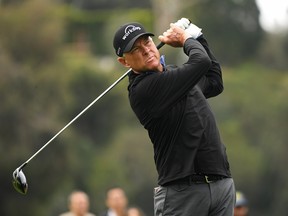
(196, 179)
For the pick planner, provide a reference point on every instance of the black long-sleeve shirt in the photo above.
(172, 106)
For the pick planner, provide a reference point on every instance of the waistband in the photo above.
(196, 178)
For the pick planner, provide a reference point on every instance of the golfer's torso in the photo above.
(188, 143)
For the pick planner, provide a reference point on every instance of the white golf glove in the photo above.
(193, 30)
(189, 27)
(183, 23)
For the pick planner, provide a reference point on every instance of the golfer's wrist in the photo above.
(186, 36)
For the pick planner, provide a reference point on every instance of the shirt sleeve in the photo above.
(160, 91)
(211, 83)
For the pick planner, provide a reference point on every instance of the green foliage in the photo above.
(232, 25)
(126, 161)
(112, 4)
(252, 115)
(34, 34)
(52, 67)
(274, 51)
(96, 28)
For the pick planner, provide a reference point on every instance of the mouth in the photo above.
(150, 59)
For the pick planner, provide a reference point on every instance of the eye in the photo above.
(147, 42)
(135, 49)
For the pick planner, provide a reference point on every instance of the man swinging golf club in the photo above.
(19, 179)
(171, 103)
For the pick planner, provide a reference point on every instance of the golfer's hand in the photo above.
(174, 36)
(194, 31)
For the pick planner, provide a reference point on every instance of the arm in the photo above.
(211, 84)
(158, 92)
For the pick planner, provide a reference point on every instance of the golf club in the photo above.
(19, 180)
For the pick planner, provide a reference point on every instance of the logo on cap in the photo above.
(129, 30)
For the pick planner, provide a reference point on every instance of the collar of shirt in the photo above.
(111, 213)
(162, 60)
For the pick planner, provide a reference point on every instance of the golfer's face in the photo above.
(144, 56)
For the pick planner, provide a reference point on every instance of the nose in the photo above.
(145, 49)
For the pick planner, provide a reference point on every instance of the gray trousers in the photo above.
(195, 199)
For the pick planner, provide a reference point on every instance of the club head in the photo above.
(19, 181)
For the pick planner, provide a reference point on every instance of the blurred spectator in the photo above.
(135, 211)
(116, 202)
(78, 204)
(241, 205)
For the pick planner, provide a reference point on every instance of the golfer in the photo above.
(171, 103)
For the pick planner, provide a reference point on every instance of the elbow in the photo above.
(206, 61)
(215, 88)
(219, 86)
(218, 89)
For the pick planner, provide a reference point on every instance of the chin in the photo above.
(155, 68)
(154, 65)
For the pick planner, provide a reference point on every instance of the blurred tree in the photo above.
(85, 86)
(102, 4)
(127, 161)
(273, 52)
(252, 112)
(94, 27)
(232, 28)
(165, 12)
(168, 11)
(41, 88)
(29, 41)
(49, 73)
(27, 36)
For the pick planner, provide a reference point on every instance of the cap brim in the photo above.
(131, 43)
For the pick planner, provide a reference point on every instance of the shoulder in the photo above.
(135, 79)
(171, 67)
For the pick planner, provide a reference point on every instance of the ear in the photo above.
(123, 61)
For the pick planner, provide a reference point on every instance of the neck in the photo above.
(159, 69)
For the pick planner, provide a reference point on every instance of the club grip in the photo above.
(160, 45)
(182, 23)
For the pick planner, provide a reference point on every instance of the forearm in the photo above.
(197, 57)
(164, 89)
(212, 83)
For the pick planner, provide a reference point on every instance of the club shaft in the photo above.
(83, 111)
(161, 44)
(76, 117)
